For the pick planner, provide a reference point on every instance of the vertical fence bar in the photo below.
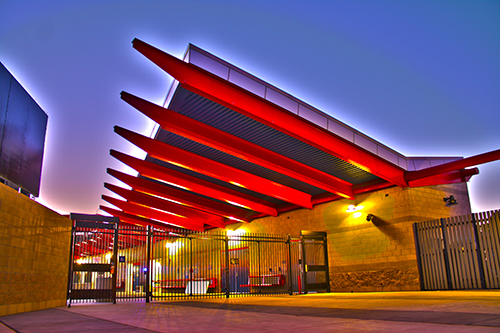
(70, 267)
(456, 243)
(435, 254)
(465, 251)
(418, 253)
(327, 263)
(426, 269)
(148, 264)
(114, 260)
(190, 282)
(304, 266)
(478, 252)
(226, 244)
(289, 269)
(494, 232)
(489, 243)
(453, 232)
(483, 245)
(445, 253)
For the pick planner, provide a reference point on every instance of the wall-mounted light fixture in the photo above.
(450, 201)
(369, 217)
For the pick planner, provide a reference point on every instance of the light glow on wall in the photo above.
(174, 247)
(234, 236)
(353, 208)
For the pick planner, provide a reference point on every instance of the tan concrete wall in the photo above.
(378, 255)
(34, 254)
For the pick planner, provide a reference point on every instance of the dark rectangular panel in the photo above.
(92, 267)
(88, 217)
(23, 125)
(100, 294)
(94, 225)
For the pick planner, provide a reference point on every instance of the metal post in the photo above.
(290, 276)
(191, 266)
(478, 253)
(227, 265)
(327, 263)
(148, 264)
(260, 275)
(115, 261)
(445, 255)
(419, 259)
(304, 265)
(70, 266)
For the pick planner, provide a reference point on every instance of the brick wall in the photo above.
(34, 254)
(377, 255)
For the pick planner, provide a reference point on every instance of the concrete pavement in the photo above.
(442, 311)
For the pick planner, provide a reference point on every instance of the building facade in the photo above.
(232, 151)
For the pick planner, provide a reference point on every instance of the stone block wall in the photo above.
(376, 255)
(34, 254)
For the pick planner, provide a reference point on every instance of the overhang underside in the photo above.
(182, 169)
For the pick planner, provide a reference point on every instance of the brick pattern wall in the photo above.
(377, 255)
(34, 254)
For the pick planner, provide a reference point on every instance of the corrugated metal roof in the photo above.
(227, 120)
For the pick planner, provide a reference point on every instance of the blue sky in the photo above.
(422, 77)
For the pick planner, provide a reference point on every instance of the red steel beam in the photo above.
(196, 185)
(235, 146)
(322, 198)
(451, 177)
(133, 219)
(453, 166)
(142, 211)
(167, 206)
(223, 92)
(208, 167)
(186, 198)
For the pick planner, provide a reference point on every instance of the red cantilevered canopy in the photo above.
(231, 147)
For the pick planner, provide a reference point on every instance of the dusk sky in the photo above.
(422, 77)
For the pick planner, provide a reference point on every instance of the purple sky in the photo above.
(422, 77)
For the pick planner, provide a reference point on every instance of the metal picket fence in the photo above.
(459, 252)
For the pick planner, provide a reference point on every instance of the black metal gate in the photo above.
(114, 261)
(461, 252)
(222, 264)
(92, 275)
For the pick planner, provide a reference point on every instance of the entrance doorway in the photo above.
(315, 261)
